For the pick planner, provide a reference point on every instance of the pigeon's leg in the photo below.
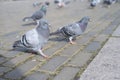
(37, 22)
(40, 52)
(71, 40)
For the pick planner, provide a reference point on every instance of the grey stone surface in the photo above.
(116, 32)
(4, 69)
(110, 29)
(106, 65)
(2, 79)
(55, 47)
(80, 59)
(37, 76)
(54, 63)
(13, 62)
(67, 73)
(69, 51)
(9, 54)
(101, 38)
(18, 72)
(92, 47)
(2, 59)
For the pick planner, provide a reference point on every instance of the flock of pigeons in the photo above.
(107, 3)
(35, 39)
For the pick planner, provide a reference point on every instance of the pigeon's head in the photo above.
(85, 19)
(47, 3)
(43, 24)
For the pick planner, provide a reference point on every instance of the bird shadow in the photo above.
(29, 24)
(54, 36)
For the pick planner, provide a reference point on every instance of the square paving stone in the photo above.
(54, 48)
(2, 59)
(67, 73)
(54, 63)
(80, 59)
(4, 69)
(19, 72)
(13, 62)
(37, 76)
(92, 47)
(70, 50)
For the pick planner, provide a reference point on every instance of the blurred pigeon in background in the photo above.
(38, 14)
(109, 2)
(35, 39)
(94, 3)
(37, 4)
(73, 30)
(61, 3)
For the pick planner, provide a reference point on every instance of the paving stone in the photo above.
(101, 38)
(19, 72)
(54, 63)
(109, 30)
(80, 59)
(92, 47)
(37, 76)
(84, 40)
(4, 69)
(69, 51)
(9, 54)
(67, 73)
(2, 59)
(2, 79)
(116, 32)
(13, 62)
(54, 48)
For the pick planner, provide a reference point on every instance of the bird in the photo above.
(35, 39)
(94, 3)
(35, 4)
(73, 30)
(61, 3)
(109, 2)
(38, 14)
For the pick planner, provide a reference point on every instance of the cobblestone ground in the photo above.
(67, 61)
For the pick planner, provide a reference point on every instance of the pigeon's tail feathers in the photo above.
(27, 19)
(67, 2)
(17, 44)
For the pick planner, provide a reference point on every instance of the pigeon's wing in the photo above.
(73, 29)
(30, 39)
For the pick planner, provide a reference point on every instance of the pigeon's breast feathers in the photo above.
(43, 28)
(83, 23)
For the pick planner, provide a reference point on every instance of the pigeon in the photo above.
(38, 14)
(109, 2)
(61, 3)
(73, 30)
(94, 3)
(35, 4)
(35, 39)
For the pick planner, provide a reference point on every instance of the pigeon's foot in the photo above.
(72, 42)
(46, 57)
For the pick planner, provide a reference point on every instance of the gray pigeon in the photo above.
(94, 3)
(35, 39)
(109, 2)
(38, 14)
(73, 30)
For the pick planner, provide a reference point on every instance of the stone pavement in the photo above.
(67, 62)
(106, 65)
